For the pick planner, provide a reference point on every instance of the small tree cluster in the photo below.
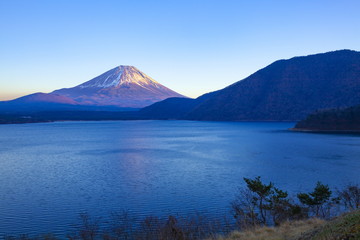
(319, 201)
(263, 204)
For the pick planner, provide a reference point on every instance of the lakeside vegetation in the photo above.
(345, 226)
(332, 120)
(259, 211)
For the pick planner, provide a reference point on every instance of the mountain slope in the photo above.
(172, 108)
(44, 98)
(123, 86)
(287, 90)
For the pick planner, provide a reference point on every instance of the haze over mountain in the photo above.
(120, 87)
(286, 90)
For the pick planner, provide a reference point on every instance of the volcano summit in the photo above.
(123, 86)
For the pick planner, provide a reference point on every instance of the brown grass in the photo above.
(286, 231)
(344, 227)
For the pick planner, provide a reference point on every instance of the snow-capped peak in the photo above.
(123, 86)
(121, 75)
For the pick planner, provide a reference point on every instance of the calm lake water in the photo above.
(51, 172)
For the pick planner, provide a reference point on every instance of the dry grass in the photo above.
(286, 231)
(346, 227)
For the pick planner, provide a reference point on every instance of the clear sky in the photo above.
(190, 46)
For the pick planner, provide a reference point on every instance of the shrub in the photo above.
(263, 204)
(318, 201)
(350, 197)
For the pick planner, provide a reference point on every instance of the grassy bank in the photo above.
(346, 226)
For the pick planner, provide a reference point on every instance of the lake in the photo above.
(51, 172)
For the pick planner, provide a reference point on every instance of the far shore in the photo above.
(307, 130)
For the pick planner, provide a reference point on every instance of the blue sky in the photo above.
(192, 47)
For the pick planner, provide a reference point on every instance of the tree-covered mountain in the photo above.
(346, 119)
(173, 108)
(287, 90)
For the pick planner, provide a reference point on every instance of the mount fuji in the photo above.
(121, 87)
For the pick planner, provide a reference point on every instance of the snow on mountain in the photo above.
(121, 75)
(118, 76)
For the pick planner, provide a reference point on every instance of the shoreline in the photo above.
(307, 130)
(139, 118)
